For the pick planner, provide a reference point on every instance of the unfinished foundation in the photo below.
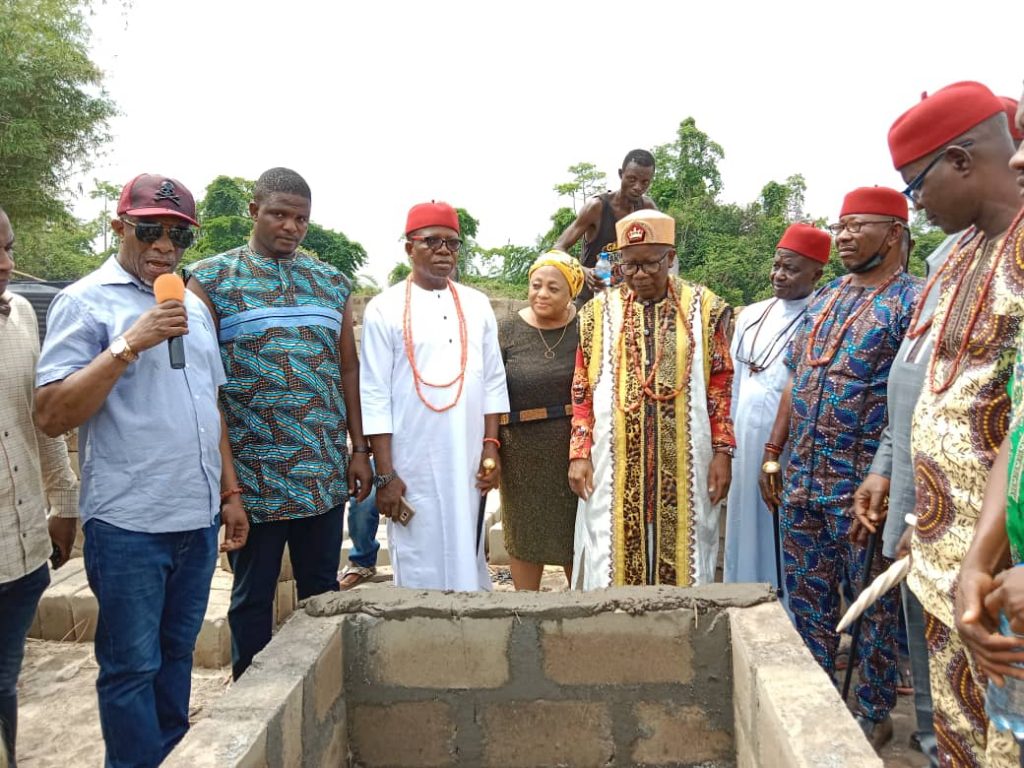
(710, 676)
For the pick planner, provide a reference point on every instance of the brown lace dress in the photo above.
(538, 507)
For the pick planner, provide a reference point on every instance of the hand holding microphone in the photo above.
(167, 321)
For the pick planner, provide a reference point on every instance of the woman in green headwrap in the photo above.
(538, 345)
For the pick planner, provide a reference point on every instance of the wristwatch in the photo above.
(122, 350)
(728, 450)
(379, 481)
(771, 467)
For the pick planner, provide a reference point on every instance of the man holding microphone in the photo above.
(157, 476)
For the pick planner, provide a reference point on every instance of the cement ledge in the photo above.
(781, 697)
(391, 603)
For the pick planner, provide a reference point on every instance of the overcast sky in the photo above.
(380, 105)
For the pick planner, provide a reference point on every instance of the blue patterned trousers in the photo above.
(818, 558)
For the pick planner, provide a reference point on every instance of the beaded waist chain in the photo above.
(536, 414)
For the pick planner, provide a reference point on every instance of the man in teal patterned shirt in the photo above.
(291, 398)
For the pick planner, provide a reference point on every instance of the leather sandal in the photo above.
(354, 575)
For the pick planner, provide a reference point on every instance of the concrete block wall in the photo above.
(638, 678)
(712, 676)
(782, 697)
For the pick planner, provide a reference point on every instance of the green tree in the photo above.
(59, 250)
(512, 262)
(926, 239)
(560, 220)
(399, 272)
(53, 109)
(586, 182)
(226, 196)
(337, 250)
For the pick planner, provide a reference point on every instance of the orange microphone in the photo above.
(170, 287)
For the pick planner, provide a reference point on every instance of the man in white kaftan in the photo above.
(433, 387)
(762, 333)
(652, 441)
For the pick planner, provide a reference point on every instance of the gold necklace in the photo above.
(550, 351)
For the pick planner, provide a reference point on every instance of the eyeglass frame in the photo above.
(166, 229)
(447, 241)
(837, 228)
(914, 187)
(630, 268)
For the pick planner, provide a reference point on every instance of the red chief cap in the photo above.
(807, 240)
(936, 120)
(1010, 107)
(432, 214)
(150, 194)
(881, 201)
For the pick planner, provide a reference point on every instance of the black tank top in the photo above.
(605, 233)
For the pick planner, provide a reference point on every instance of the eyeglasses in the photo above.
(914, 187)
(629, 268)
(855, 226)
(151, 231)
(434, 243)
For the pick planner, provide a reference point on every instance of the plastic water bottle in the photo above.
(603, 268)
(1005, 706)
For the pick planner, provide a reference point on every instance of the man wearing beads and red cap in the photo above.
(652, 442)
(433, 389)
(953, 150)
(832, 413)
(763, 331)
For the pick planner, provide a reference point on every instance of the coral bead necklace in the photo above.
(629, 343)
(410, 350)
(830, 350)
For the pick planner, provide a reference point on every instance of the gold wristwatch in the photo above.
(771, 467)
(122, 350)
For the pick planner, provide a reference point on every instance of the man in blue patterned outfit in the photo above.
(834, 410)
(291, 398)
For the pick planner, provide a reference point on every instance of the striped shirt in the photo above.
(35, 473)
(280, 322)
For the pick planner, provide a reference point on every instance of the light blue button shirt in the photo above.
(150, 456)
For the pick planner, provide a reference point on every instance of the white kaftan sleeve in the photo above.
(376, 366)
(733, 349)
(495, 386)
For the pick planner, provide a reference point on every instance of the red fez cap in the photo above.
(881, 201)
(1010, 107)
(431, 214)
(808, 241)
(938, 119)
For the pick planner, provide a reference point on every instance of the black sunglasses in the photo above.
(151, 231)
(434, 243)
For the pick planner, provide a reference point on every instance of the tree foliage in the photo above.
(53, 109)
(586, 182)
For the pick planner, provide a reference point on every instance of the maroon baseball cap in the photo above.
(149, 194)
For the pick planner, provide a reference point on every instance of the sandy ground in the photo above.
(59, 726)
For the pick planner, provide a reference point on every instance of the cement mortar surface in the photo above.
(390, 603)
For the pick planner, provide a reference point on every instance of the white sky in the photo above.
(380, 105)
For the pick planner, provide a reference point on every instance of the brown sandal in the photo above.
(355, 575)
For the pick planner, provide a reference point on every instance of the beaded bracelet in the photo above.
(496, 441)
(230, 492)
(773, 448)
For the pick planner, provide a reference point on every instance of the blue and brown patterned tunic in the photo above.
(839, 408)
(280, 321)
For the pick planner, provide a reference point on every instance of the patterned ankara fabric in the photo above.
(817, 556)
(957, 433)
(652, 463)
(839, 411)
(966, 739)
(280, 321)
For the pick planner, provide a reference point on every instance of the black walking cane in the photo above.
(855, 629)
(488, 467)
(778, 553)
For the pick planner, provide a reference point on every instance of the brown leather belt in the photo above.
(536, 414)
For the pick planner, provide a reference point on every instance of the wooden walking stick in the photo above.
(855, 629)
